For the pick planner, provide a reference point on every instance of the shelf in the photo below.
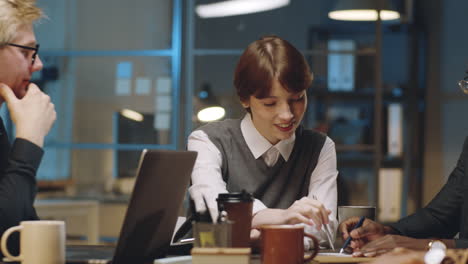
(346, 163)
(325, 52)
(54, 185)
(367, 95)
(355, 147)
(392, 162)
(359, 27)
(361, 160)
(236, 52)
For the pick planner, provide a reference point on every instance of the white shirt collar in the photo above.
(258, 145)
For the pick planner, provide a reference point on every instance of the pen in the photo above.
(328, 233)
(348, 240)
(208, 213)
(327, 230)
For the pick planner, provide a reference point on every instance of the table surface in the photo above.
(336, 259)
(256, 260)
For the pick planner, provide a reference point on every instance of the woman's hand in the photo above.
(306, 211)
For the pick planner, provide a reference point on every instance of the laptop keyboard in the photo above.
(89, 254)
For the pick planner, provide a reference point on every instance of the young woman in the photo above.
(291, 171)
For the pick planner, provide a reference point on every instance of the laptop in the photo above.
(162, 180)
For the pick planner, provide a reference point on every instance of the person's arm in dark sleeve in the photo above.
(441, 217)
(461, 243)
(18, 184)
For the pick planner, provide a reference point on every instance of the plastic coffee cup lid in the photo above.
(235, 197)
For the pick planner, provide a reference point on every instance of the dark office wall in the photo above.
(454, 62)
(446, 122)
(291, 23)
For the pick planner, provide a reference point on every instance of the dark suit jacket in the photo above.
(447, 213)
(18, 166)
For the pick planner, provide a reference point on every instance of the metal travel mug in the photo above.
(239, 210)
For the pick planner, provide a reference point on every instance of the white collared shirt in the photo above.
(207, 178)
(261, 147)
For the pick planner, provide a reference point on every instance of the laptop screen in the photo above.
(162, 180)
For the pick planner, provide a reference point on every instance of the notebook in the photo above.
(162, 180)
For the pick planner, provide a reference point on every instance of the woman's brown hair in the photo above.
(267, 59)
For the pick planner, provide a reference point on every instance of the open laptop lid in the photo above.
(160, 186)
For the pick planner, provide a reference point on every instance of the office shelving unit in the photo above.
(367, 138)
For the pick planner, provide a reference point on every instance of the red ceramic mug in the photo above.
(282, 244)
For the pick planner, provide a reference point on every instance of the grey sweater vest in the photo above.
(278, 186)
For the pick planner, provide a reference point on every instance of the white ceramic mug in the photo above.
(41, 242)
(345, 212)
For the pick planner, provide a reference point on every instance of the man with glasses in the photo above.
(30, 110)
(464, 84)
(444, 217)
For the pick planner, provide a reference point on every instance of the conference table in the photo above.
(322, 259)
(255, 259)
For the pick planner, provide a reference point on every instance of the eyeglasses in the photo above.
(36, 50)
(464, 84)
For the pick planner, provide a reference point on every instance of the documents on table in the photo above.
(335, 257)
